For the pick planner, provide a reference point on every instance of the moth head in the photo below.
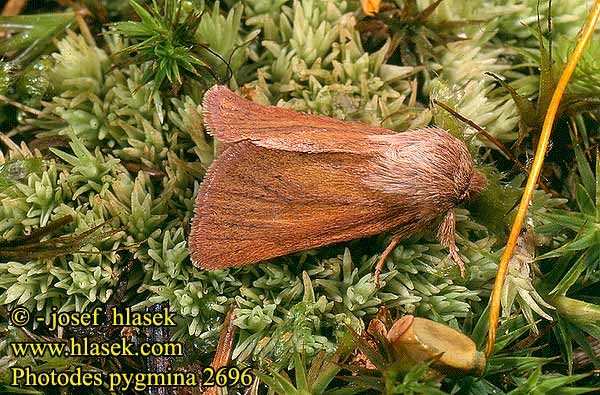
(476, 185)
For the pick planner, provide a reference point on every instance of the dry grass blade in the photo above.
(14, 7)
(224, 348)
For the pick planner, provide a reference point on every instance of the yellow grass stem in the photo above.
(585, 37)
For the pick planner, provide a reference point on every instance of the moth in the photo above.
(288, 181)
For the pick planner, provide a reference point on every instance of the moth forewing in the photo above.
(231, 119)
(247, 212)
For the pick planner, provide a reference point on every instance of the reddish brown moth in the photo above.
(289, 181)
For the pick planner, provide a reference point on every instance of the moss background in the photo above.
(117, 139)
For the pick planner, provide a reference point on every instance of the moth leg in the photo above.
(446, 234)
(393, 243)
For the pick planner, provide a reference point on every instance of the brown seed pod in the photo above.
(418, 340)
(289, 181)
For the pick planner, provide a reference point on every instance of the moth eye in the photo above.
(477, 183)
